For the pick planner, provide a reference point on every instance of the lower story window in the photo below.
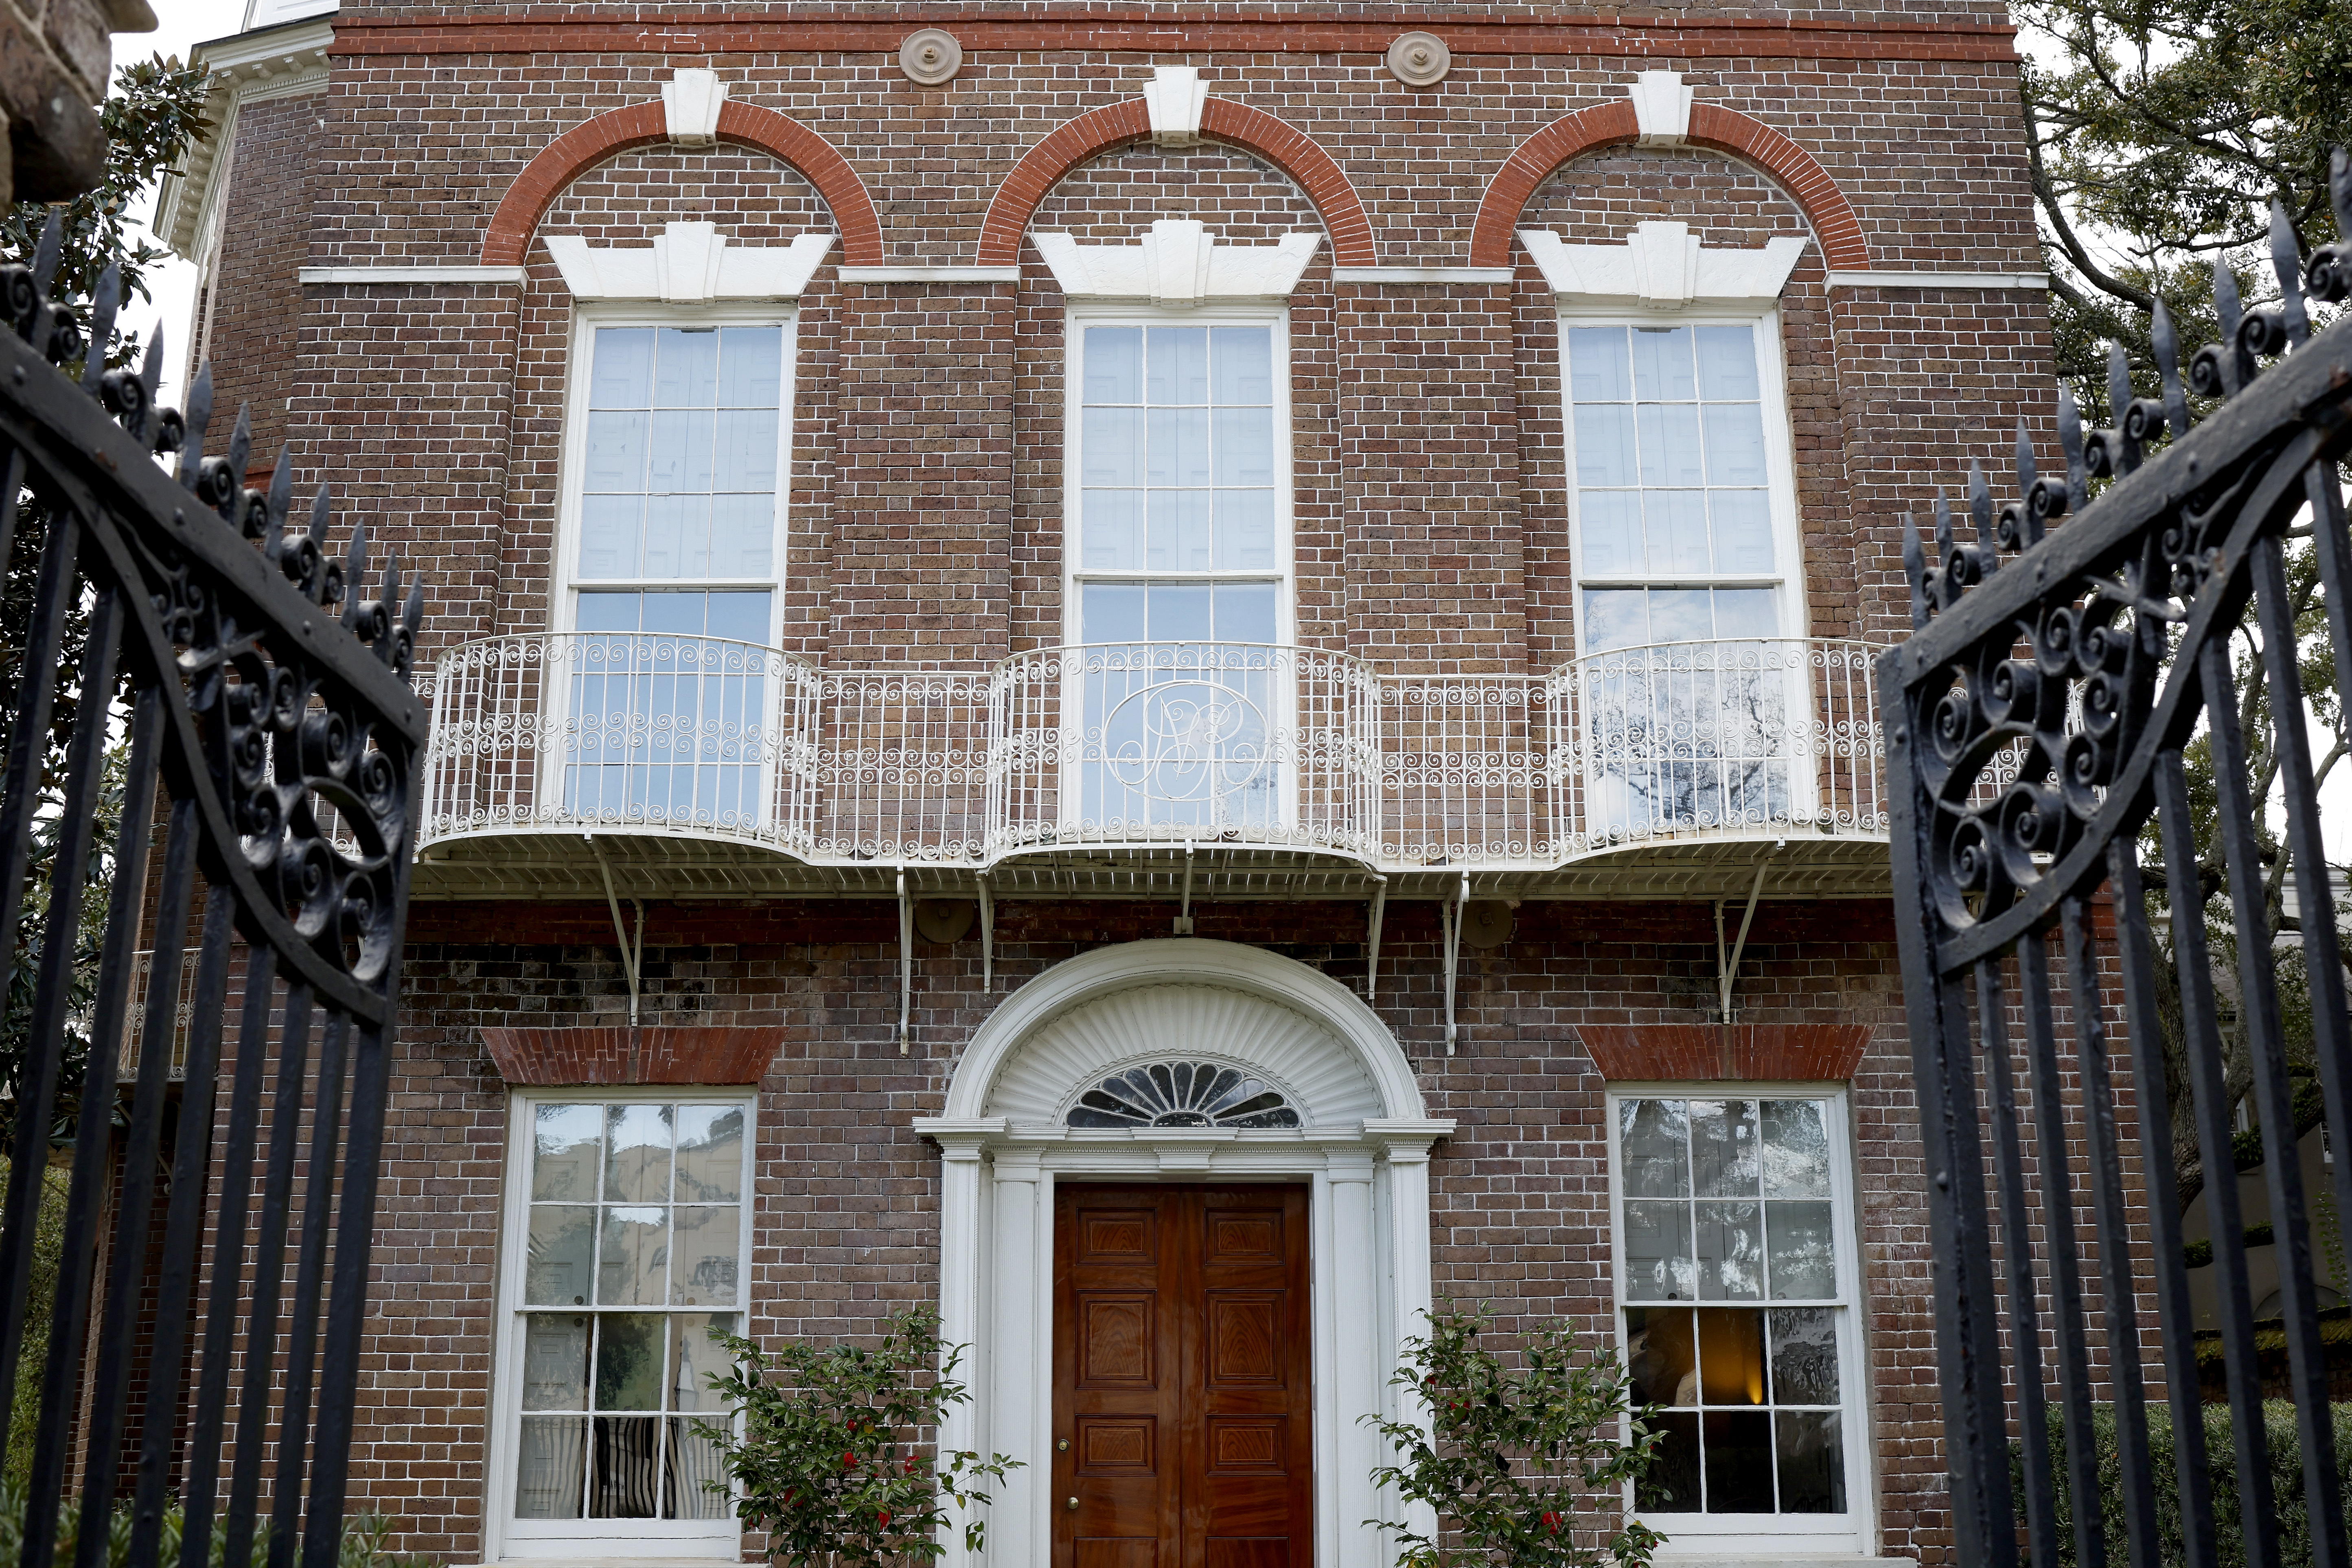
(627, 1224)
(1737, 1290)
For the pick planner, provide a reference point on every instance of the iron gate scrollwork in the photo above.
(271, 721)
(2037, 720)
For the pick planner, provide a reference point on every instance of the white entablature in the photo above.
(1177, 263)
(1662, 265)
(688, 263)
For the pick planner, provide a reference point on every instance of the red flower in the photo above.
(1552, 1521)
(885, 1518)
(848, 1461)
(910, 1463)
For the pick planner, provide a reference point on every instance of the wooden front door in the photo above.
(1182, 1390)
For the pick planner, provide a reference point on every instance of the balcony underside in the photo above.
(565, 865)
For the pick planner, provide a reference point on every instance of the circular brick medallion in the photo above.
(930, 57)
(1420, 60)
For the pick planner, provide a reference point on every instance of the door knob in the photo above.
(1064, 1445)
(1074, 1502)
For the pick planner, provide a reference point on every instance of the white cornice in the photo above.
(1663, 266)
(395, 273)
(1177, 263)
(285, 61)
(1874, 279)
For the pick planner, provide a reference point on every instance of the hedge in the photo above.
(2285, 1460)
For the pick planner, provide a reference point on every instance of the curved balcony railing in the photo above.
(1150, 745)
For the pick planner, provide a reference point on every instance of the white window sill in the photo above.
(1673, 1551)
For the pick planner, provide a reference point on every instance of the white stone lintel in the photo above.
(1663, 267)
(1175, 97)
(688, 264)
(691, 100)
(1661, 108)
(1177, 263)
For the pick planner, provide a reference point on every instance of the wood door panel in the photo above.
(1184, 1432)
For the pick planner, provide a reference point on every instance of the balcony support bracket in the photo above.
(987, 935)
(1372, 937)
(1727, 970)
(631, 954)
(1449, 915)
(1184, 918)
(905, 961)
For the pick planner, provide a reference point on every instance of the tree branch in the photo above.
(2075, 252)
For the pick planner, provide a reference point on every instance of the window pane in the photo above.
(1610, 530)
(1804, 1355)
(703, 1246)
(1803, 1262)
(616, 452)
(695, 1484)
(1681, 614)
(1114, 364)
(1662, 364)
(710, 1154)
(1597, 369)
(743, 536)
(621, 1482)
(686, 368)
(637, 1159)
(746, 457)
(1242, 364)
(630, 1254)
(1654, 1142)
(1182, 537)
(1677, 533)
(1738, 1461)
(1726, 363)
(1177, 365)
(1730, 1251)
(751, 367)
(548, 1468)
(744, 616)
(1245, 530)
(1615, 617)
(1670, 445)
(680, 443)
(608, 536)
(620, 612)
(559, 1255)
(1245, 613)
(1671, 1484)
(678, 536)
(1660, 1355)
(1658, 1265)
(1743, 531)
(1111, 530)
(1723, 1147)
(1179, 613)
(623, 361)
(1110, 443)
(696, 1358)
(1179, 451)
(555, 1360)
(1734, 444)
(1604, 444)
(566, 1149)
(629, 1348)
(1812, 1461)
(1795, 1149)
(1111, 612)
(1747, 613)
(1730, 1356)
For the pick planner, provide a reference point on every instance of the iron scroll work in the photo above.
(2037, 719)
(270, 721)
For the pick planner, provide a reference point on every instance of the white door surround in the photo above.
(1362, 1146)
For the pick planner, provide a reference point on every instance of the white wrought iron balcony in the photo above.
(705, 765)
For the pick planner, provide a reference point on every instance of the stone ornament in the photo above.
(1661, 108)
(930, 57)
(1420, 60)
(1175, 98)
(1663, 267)
(691, 100)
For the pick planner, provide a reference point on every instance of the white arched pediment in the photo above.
(1183, 999)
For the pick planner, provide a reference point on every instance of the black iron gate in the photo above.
(258, 701)
(2037, 720)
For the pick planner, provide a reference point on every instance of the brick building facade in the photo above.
(1461, 449)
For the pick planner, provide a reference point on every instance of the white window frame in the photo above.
(505, 1537)
(1779, 459)
(1705, 1536)
(1283, 576)
(565, 584)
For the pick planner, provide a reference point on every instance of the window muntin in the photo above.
(672, 571)
(1734, 1281)
(633, 1234)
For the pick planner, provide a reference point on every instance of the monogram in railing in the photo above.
(2038, 719)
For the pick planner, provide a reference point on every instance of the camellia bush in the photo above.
(1525, 1461)
(825, 1452)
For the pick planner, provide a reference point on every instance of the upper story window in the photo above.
(1179, 570)
(626, 1225)
(1739, 1291)
(672, 566)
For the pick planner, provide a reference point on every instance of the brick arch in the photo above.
(1743, 136)
(571, 154)
(1222, 121)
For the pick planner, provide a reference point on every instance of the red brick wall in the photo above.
(253, 300)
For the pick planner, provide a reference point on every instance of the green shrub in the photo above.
(2284, 1452)
(363, 1538)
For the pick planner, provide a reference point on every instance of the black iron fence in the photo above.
(2040, 718)
(252, 704)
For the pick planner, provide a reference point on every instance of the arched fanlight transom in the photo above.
(1184, 1094)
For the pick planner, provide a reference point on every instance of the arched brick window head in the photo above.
(1222, 121)
(1709, 125)
(616, 130)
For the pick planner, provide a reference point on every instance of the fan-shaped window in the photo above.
(1183, 1094)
